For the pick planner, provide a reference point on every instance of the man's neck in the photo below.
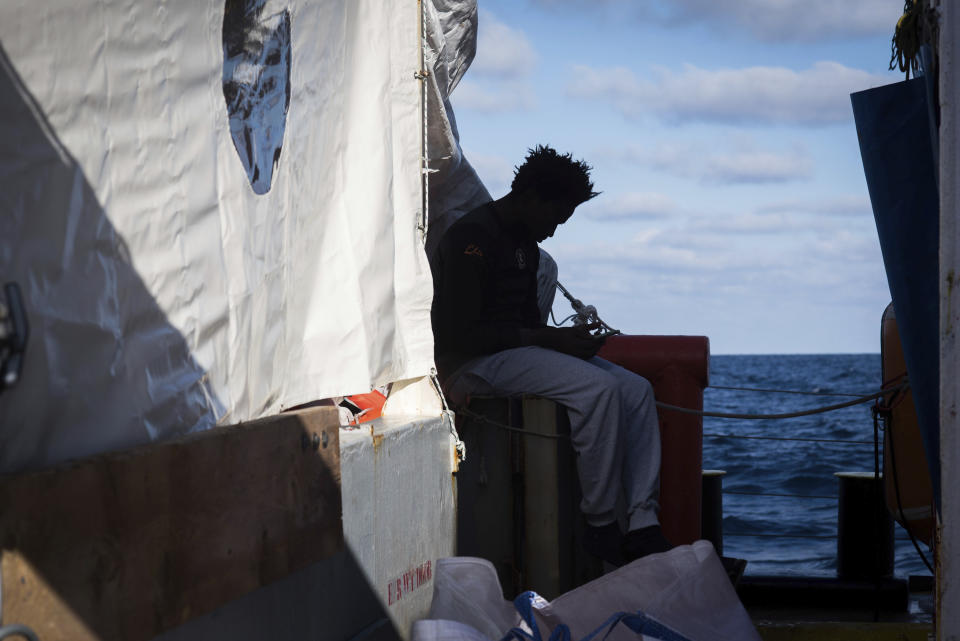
(507, 211)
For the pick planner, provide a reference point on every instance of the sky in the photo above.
(721, 136)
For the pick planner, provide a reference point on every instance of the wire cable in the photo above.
(877, 506)
(896, 487)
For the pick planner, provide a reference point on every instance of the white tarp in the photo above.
(165, 294)
(455, 188)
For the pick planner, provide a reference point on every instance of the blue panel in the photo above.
(894, 129)
(256, 85)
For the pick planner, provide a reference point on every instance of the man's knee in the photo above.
(605, 382)
(634, 385)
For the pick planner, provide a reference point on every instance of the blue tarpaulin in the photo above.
(897, 147)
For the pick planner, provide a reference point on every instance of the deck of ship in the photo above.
(842, 624)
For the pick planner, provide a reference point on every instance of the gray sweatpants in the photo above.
(613, 422)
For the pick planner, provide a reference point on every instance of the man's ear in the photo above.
(530, 198)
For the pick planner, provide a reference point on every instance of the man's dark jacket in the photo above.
(485, 288)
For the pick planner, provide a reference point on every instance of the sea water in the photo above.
(796, 534)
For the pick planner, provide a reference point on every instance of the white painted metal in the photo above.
(948, 585)
(399, 510)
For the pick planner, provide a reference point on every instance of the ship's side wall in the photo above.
(948, 572)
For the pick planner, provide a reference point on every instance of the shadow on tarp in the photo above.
(894, 130)
(104, 368)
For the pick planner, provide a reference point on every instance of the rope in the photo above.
(789, 496)
(483, 419)
(916, 27)
(782, 391)
(458, 444)
(587, 314)
(782, 536)
(816, 410)
(860, 399)
(788, 438)
(554, 319)
(768, 535)
(902, 385)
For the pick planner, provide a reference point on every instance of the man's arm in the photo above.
(575, 341)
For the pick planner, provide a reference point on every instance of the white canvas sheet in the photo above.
(165, 295)
(455, 188)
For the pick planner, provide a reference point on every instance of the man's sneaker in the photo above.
(604, 542)
(647, 540)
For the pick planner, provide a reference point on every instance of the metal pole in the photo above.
(711, 509)
(864, 528)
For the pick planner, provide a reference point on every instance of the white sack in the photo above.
(466, 589)
(164, 294)
(445, 630)
(686, 589)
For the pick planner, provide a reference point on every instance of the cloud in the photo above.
(662, 260)
(845, 245)
(694, 267)
(782, 20)
(802, 265)
(745, 165)
(751, 224)
(758, 167)
(839, 206)
(493, 98)
(630, 206)
(754, 95)
(502, 51)
(500, 73)
(793, 20)
(826, 218)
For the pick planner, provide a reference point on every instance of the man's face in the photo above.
(542, 217)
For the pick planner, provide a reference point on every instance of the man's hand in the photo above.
(575, 341)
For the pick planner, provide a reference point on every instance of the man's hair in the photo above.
(553, 176)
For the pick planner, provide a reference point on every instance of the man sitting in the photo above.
(490, 340)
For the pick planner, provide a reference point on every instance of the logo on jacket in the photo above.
(472, 250)
(521, 258)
